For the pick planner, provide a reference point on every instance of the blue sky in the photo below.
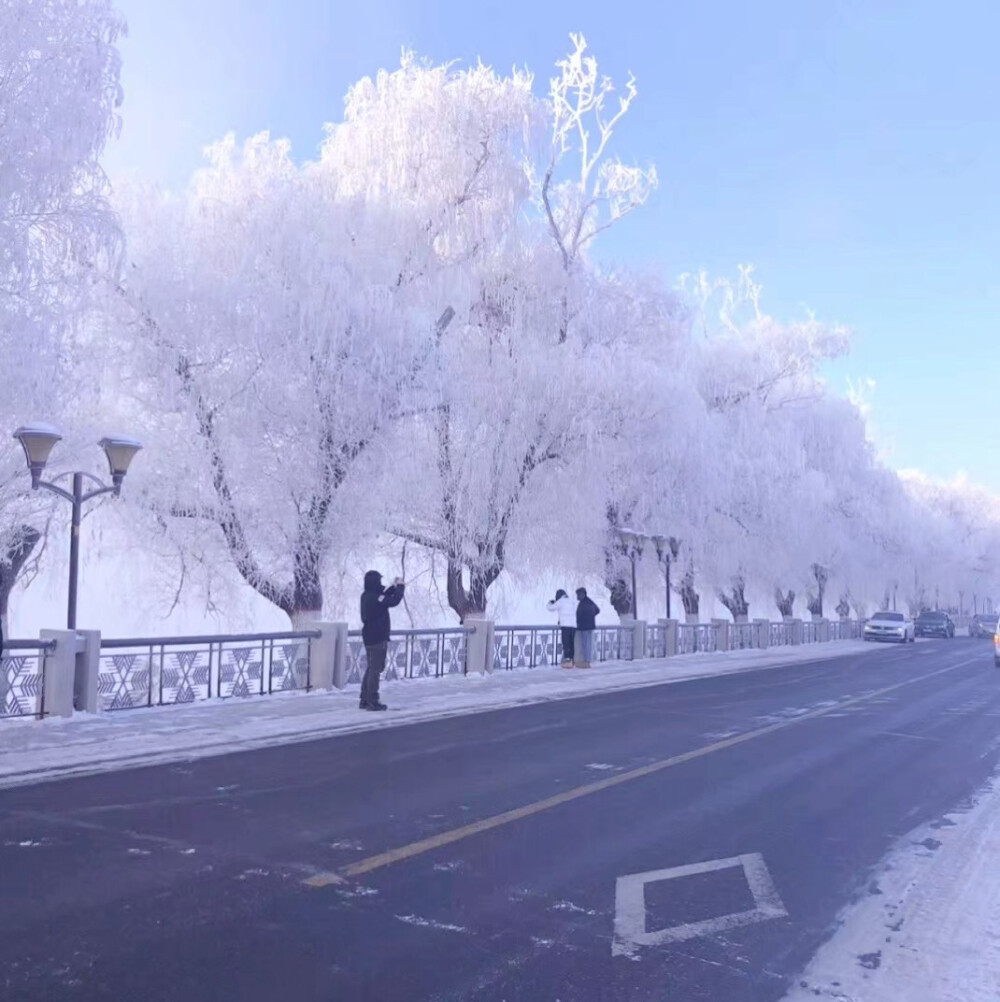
(849, 150)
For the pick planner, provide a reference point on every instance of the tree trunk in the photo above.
(785, 603)
(736, 601)
(689, 597)
(618, 580)
(468, 602)
(815, 602)
(620, 595)
(307, 588)
(12, 562)
(617, 569)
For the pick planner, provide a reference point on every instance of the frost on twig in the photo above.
(584, 190)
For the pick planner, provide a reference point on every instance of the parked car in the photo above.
(890, 626)
(931, 623)
(983, 625)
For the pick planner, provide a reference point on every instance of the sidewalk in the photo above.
(35, 751)
(927, 929)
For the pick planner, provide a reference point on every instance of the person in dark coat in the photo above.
(586, 622)
(376, 601)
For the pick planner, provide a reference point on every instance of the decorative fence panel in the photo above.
(22, 678)
(614, 643)
(696, 638)
(413, 654)
(746, 636)
(537, 646)
(850, 629)
(781, 634)
(163, 671)
(526, 647)
(811, 631)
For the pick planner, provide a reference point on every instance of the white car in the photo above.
(890, 626)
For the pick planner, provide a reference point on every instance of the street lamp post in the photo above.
(667, 549)
(38, 440)
(632, 541)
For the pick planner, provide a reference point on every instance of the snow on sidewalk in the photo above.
(930, 929)
(33, 751)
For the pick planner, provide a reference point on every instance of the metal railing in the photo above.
(696, 638)
(537, 646)
(413, 654)
(656, 641)
(850, 629)
(811, 631)
(22, 677)
(163, 671)
(746, 636)
(781, 634)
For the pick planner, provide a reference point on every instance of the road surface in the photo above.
(685, 842)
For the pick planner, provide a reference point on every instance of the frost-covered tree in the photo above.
(276, 332)
(523, 373)
(59, 90)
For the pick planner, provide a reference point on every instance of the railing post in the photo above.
(669, 637)
(824, 631)
(795, 631)
(479, 647)
(323, 654)
(721, 634)
(638, 627)
(764, 633)
(59, 672)
(341, 654)
(87, 664)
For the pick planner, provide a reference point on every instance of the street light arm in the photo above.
(61, 491)
(103, 489)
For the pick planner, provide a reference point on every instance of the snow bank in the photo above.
(931, 931)
(33, 751)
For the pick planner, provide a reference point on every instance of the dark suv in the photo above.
(934, 624)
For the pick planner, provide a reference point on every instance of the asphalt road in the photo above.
(480, 857)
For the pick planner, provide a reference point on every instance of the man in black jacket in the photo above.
(376, 602)
(586, 616)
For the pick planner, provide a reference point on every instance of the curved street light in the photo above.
(38, 441)
(632, 542)
(667, 549)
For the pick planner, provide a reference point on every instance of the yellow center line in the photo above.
(422, 846)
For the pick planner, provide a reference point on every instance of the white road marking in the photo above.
(630, 905)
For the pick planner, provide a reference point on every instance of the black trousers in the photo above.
(568, 636)
(373, 673)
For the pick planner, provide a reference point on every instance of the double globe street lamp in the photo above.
(38, 440)
(632, 543)
(667, 549)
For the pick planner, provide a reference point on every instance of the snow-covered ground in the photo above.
(32, 751)
(932, 933)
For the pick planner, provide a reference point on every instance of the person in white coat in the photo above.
(565, 608)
